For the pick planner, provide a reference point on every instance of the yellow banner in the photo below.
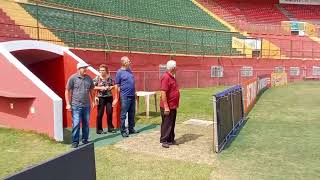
(240, 45)
(278, 79)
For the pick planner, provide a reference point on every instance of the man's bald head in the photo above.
(125, 61)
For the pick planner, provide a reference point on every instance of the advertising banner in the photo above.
(250, 92)
(278, 79)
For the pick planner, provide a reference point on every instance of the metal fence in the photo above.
(98, 31)
(150, 80)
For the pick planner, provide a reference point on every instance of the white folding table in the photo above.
(146, 95)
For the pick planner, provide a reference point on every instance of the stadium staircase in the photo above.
(285, 12)
(8, 30)
(26, 22)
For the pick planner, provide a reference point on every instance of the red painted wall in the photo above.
(51, 72)
(13, 81)
(193, 71)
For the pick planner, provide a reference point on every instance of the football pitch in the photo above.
(279, 141)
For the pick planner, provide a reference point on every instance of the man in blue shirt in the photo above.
(126, 84)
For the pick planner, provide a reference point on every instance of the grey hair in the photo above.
(171, 64)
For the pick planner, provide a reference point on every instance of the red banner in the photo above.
(250, 91)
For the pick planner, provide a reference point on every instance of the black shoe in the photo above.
(112, 130)
(125, 134)
(85, 141)
(133, 132)
(165, 145)
(101, 132)
(74, 145)
(172, 143)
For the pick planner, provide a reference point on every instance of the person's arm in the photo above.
(115, 99)
(92, 94)
(68, 93)
(101, 88)
(117, 87)
(96, 84)
(164, 87)
(165, 102)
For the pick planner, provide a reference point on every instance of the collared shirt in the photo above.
(125, 80)
(98, 81)
(169, 84)
(80, 86)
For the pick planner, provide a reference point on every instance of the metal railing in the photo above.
(132, 35)
(277, 47)
(149, 80)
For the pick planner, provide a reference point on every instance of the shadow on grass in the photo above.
(67, 136)
(67, 133)
(146, 128)
(187, 137)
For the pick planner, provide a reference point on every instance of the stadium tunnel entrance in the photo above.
(33, 76)
(49, 68)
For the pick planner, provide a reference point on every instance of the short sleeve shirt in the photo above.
(80, 86)
(98, 81)
(169, 84)
(125, 80)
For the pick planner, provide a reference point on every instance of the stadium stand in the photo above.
(166, 26)
(262, 20)
(98, 32)
(253, 11)
(303, 12)
(176, 12)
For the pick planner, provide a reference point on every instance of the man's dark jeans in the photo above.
(128, 105)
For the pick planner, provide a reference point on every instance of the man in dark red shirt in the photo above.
(169, 102)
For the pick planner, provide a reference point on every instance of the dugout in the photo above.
(33, 75)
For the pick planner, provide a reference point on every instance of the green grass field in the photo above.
(194, 103)
(279, 141)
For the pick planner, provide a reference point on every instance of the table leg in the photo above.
(137, 104)
(155, 102)
(147, 98)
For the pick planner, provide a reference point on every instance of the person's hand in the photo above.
(111, 87)
(96, 100)
(68, 107)
(166, 111)
(114, 103)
